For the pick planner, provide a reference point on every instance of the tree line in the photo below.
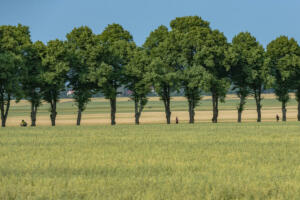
(190, 56)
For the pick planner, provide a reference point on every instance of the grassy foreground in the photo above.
(201, 161)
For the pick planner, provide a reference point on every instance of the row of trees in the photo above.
(190, 56)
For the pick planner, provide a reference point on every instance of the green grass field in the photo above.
(200, 161)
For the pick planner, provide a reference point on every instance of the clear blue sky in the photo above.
(51, 19)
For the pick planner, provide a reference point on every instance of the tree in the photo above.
(110, 56)
(31, 79)
(55, 69)
(192, 30)
(294, 63)
(13, 39)
(80, 43)
(212, 58)
(163, 48)
(283, 54)
(246, 58)
(296, 80)
(138, 80)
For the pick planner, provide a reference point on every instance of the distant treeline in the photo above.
(191, 57)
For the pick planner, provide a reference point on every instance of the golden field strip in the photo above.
(157, 117)
(98, 111)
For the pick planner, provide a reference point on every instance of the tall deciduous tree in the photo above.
(13, 39)
(246, 58)
(164, 50)
(296, 80)
(212, 58)
(192, 30)
(55, 69)
(109, 58)
(138, 81)
(80, 43)
(282, 54)
(31, 79)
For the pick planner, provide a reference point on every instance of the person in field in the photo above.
(23, 123)
(177, 120)
(277, 118)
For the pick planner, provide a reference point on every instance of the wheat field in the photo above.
(200, 161)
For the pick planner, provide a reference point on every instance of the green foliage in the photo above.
(165, 65)
(188, 23)
(32, 71)
(9, 64)
(155, 38)
(116, 48)
(283, 54)
(137, 73)
(212, 58)
(55, 69)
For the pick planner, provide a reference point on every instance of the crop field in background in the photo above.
(199, 161)
(98, 111)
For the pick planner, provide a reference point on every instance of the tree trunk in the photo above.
(4, 111)
(191, 111)
(257, 96)
(239, 116)
(33, 114)
(297, 94)
(215, 101)
(3, 121)
(113, 110)
(2, 114)
(53, 113)
(241, 108)
(139, 104)
(79, 116)
(258, 109)
(137, 119)
(166, 99)
(298, 110)
(283, 111)
(167, 110)
(136, 109)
